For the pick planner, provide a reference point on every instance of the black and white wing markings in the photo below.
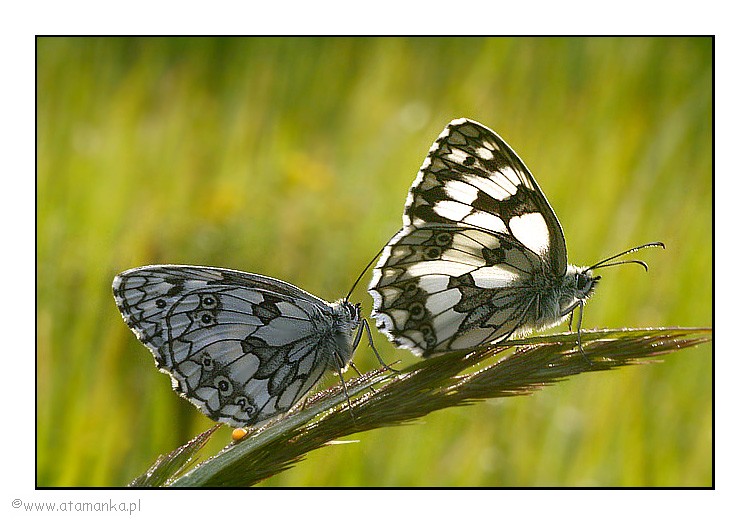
(481, 255)
(472, 179)
(241, 347)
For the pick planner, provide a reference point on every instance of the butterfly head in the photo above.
(347, 314)
(577, 286)
(583, 283)
(354, 310)
(345, 332)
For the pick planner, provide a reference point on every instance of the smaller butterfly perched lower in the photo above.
(241, 347)
(481, 255)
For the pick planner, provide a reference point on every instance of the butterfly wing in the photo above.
(478, 231)
(241, 347)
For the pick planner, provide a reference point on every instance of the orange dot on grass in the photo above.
(239, 434)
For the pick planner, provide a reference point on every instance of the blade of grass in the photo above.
(443, 381)
(244, 463)
(171, 465)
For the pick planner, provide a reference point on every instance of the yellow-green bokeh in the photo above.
(292, 157)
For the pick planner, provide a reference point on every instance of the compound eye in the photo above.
(581, 281)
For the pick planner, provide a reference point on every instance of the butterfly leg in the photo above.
(366, 326)
(578, 340)
(341, 366)
(356, 369)
(571, 311)
(360, 375)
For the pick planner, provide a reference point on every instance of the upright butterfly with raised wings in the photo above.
(241, 347)
(481, 255)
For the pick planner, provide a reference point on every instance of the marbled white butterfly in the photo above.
(481, 255)
(241, 347)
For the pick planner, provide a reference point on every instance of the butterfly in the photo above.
(241, 347)
(481, 255)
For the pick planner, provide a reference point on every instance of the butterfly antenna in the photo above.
(601, 264)
(372, 261)
(363, 272)
(617, 263)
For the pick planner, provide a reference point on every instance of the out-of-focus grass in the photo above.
(292, 157)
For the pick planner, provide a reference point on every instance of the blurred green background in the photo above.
(292, 157)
